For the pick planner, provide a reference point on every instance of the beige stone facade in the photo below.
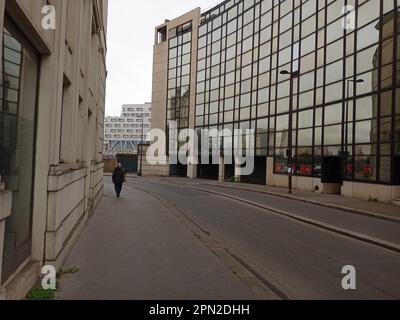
(160, 79)
(67, 179)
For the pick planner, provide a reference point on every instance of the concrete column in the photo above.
(48, 132)
(238, 171)
(192, 171)
(5, 212)
(76, 39)
(51, 83)
(270, 171)
(221, 170)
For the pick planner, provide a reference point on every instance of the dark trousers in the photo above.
(118, 188)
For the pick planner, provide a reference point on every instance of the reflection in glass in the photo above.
(242, 72)
(17, 132)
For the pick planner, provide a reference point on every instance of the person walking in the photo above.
(118, 178)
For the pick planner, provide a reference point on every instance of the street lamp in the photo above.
(289, 154)
(345, 152)
(141, 147)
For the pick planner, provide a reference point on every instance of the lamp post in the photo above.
(289, 154)
(141, 147)
(345, 151)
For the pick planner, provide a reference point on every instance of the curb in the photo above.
(354, 235)
(322, 204)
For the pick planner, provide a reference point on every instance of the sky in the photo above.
(130, 40)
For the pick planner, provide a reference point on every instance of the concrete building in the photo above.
(123, 134)
(51, 132)
(317, 84)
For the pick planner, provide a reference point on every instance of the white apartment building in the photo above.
(123, 134)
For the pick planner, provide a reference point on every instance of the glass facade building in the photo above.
(330, 66)
(180, 49)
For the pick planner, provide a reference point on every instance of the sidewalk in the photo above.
(369, 208)
(135, 248)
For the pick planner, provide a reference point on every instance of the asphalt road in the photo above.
(290, 258)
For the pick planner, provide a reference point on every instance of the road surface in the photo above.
(221, 243)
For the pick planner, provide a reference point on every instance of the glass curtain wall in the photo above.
(345, 93)
(179, 76)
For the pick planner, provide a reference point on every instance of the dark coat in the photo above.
(118, 175)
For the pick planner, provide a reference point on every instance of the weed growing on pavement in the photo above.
(41, 294)
(38, 293)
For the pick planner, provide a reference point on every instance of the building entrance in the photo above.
(17, 139)
(259, 175)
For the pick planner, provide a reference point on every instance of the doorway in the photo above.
(259, 175)
(332, 169)
(20, 66)
(129, 162)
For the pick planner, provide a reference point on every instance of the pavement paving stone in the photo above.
(134, 248)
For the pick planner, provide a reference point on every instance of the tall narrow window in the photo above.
(17, 132)
(295, 57)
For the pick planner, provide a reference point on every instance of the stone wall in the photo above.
(68, 182)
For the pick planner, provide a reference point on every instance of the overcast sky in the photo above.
(130, 40)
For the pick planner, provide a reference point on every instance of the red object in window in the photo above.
(305, 170)
(367, 170)
(349, 168)
(278, 167)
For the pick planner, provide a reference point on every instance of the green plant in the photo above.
(38, 293)
(41, 294)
